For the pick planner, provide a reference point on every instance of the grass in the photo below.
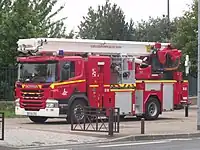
(8, 108)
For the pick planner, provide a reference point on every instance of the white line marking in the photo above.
(144, 143)
(44, 148)
(63, 149)
(180, 139)
(132, 144)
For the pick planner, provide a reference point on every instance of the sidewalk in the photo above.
(169, 123)
(173, 124)
(19, 132)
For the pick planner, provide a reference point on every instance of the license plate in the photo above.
(32, 113)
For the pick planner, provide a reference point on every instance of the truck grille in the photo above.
(32, 99)
(32, 94)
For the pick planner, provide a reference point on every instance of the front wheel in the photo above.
(38, 119)
(152, 109)
(76, 112)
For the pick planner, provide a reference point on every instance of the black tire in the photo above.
(152, 109)
(122, 117)
(140, 117)
(76, 112)
(39, 120)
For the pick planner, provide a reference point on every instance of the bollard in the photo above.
(142, 126)
(110, 122)
(186, 111)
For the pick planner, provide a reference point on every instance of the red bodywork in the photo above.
(93, 81)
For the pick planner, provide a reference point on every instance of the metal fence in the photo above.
(2, 117)
(98, 120)
(192, 86)
(8, 76)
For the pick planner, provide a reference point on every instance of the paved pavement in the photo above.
(170, 144)
(21, 133)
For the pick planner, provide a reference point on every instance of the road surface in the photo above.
(171, 144)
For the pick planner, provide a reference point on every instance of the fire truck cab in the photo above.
(58, 77)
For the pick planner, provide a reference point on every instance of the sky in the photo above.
(74, 10)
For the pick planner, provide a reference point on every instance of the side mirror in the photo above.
(66, 66)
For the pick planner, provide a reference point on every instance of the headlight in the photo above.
(51, 103)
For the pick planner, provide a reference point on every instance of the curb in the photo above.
(120, 139)
(156, 137)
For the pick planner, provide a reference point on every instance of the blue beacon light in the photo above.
(61, 52)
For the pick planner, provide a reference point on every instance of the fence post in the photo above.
(2, 125)
(72, 123)
(110, 122)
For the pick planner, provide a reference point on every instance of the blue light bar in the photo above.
(61, 52)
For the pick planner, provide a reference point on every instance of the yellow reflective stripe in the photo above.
(30, 93)
(65, 83)
(106, 85)
(122, 90)
(117, 86)
(93, 86)
(123, 86)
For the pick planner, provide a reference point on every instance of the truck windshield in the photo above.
(43, 72)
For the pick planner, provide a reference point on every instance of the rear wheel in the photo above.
(38, 119)
(152, 109)
(76, 112)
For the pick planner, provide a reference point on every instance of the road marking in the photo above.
(63, 149)
(133, 144)
(180, 139)
(45, 148)
(143, 143)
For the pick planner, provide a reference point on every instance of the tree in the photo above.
(26, 19)
(154, 29)
(186, 36)
(107, 23)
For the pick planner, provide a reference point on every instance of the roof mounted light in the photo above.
(61, 52)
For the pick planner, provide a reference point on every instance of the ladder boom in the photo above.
(81, 46)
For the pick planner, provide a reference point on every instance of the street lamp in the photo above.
(168, 19)
(198, 81)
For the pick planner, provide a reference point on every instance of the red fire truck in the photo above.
(57, 78)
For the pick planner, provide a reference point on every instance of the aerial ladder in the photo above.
(82, 46)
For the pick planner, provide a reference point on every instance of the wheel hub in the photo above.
(152, 109)
(79, 112)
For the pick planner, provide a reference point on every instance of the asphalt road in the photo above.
(7, 148)
(171, 144)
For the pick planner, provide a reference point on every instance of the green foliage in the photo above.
(9, 109)
(154, 29)
(107, 23)
(26, 19)
(186, 37)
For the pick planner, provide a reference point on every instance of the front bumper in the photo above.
(52, 110)
(47, 112)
